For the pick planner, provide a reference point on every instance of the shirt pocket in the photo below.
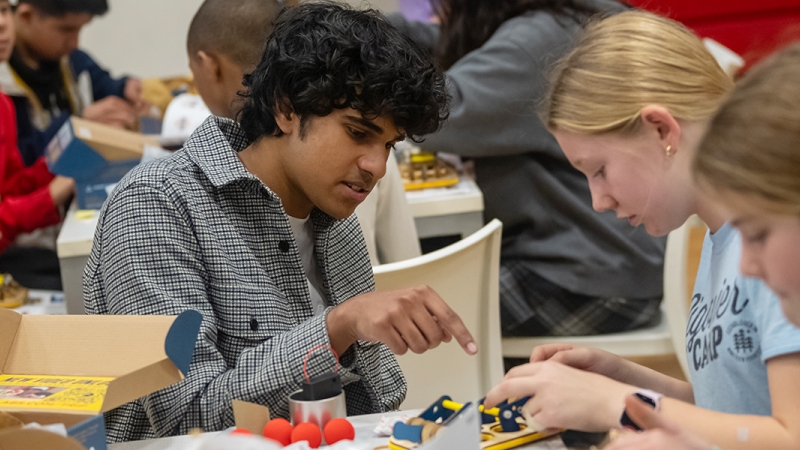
(251, 316)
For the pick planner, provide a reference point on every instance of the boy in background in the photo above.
(225, 42)
(29, 196)
(49, 79)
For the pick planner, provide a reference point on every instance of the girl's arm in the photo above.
(732, 432)
(565, 397)
(614, 367)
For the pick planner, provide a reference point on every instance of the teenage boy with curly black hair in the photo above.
(252, 225)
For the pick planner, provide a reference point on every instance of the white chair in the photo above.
(666, 337)
(466, 275)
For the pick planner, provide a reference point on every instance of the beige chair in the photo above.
(466, 275)
(668, 336)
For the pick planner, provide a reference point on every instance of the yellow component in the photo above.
(453, 406)
(396, 447)
(423, 157)
(12, 294)
(85, 214)
(513, 443)
(430, 184)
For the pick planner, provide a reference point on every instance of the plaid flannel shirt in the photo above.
(198, 231)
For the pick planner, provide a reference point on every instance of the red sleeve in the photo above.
(16, 178)
(22, 180)
(23, 214)
(25, 201)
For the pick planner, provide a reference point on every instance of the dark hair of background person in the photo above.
(232, 28)
(62, 7)
(323, 56)
(468, 24)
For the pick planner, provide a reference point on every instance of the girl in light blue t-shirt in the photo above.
(629, 107)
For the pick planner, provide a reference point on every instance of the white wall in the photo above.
(147, 38)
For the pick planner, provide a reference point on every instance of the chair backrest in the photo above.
(466, 275)
(681, 261)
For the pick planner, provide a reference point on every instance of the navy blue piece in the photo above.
(404, 432)
(181, 337)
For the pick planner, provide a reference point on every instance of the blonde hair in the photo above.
(625, 62)
(752, 146)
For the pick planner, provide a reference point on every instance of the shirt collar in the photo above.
(214, 147)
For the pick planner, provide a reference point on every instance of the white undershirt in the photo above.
(303, 231)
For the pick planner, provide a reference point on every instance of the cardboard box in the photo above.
(127, 356)
(95, 155)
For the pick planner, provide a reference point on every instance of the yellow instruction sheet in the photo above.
(47, 392)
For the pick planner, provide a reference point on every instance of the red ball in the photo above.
(339, 430)
(242, 431)
(307, 431)
(279, 430)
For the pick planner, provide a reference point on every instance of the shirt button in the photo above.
(254, 324)
(284, 246)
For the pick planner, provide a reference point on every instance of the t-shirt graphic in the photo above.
(721, 325)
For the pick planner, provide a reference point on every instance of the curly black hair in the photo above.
(326, 55)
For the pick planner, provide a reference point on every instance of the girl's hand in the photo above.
(661, 434)
(589, 359)
(564, 397)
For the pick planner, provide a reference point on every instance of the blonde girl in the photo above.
(629, 107)
(749, 160)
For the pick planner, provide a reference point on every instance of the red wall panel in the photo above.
(752, 29)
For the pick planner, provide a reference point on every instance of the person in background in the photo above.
(251, 223)
(418, 10)
(749, 161)
(49, 78)
(30, 197)
(630, 106)
(224, 42)
(565, 270)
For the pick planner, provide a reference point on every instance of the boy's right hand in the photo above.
(112, 111)
(415, 319)
(583, 358)
(61, 189)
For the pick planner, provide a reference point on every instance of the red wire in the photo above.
(305, 361)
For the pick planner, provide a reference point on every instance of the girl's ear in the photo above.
(660, 122)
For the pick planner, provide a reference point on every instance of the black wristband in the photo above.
(626, 421)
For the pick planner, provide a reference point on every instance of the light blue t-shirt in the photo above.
(735, 326)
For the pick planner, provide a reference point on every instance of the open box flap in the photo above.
(80, 163)
(114, 144)
(178, 346)
(27, 439)
(9, 323)
(150, 351)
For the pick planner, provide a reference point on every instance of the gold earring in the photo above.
(669, 150)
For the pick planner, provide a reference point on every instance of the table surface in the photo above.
(364, 426)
